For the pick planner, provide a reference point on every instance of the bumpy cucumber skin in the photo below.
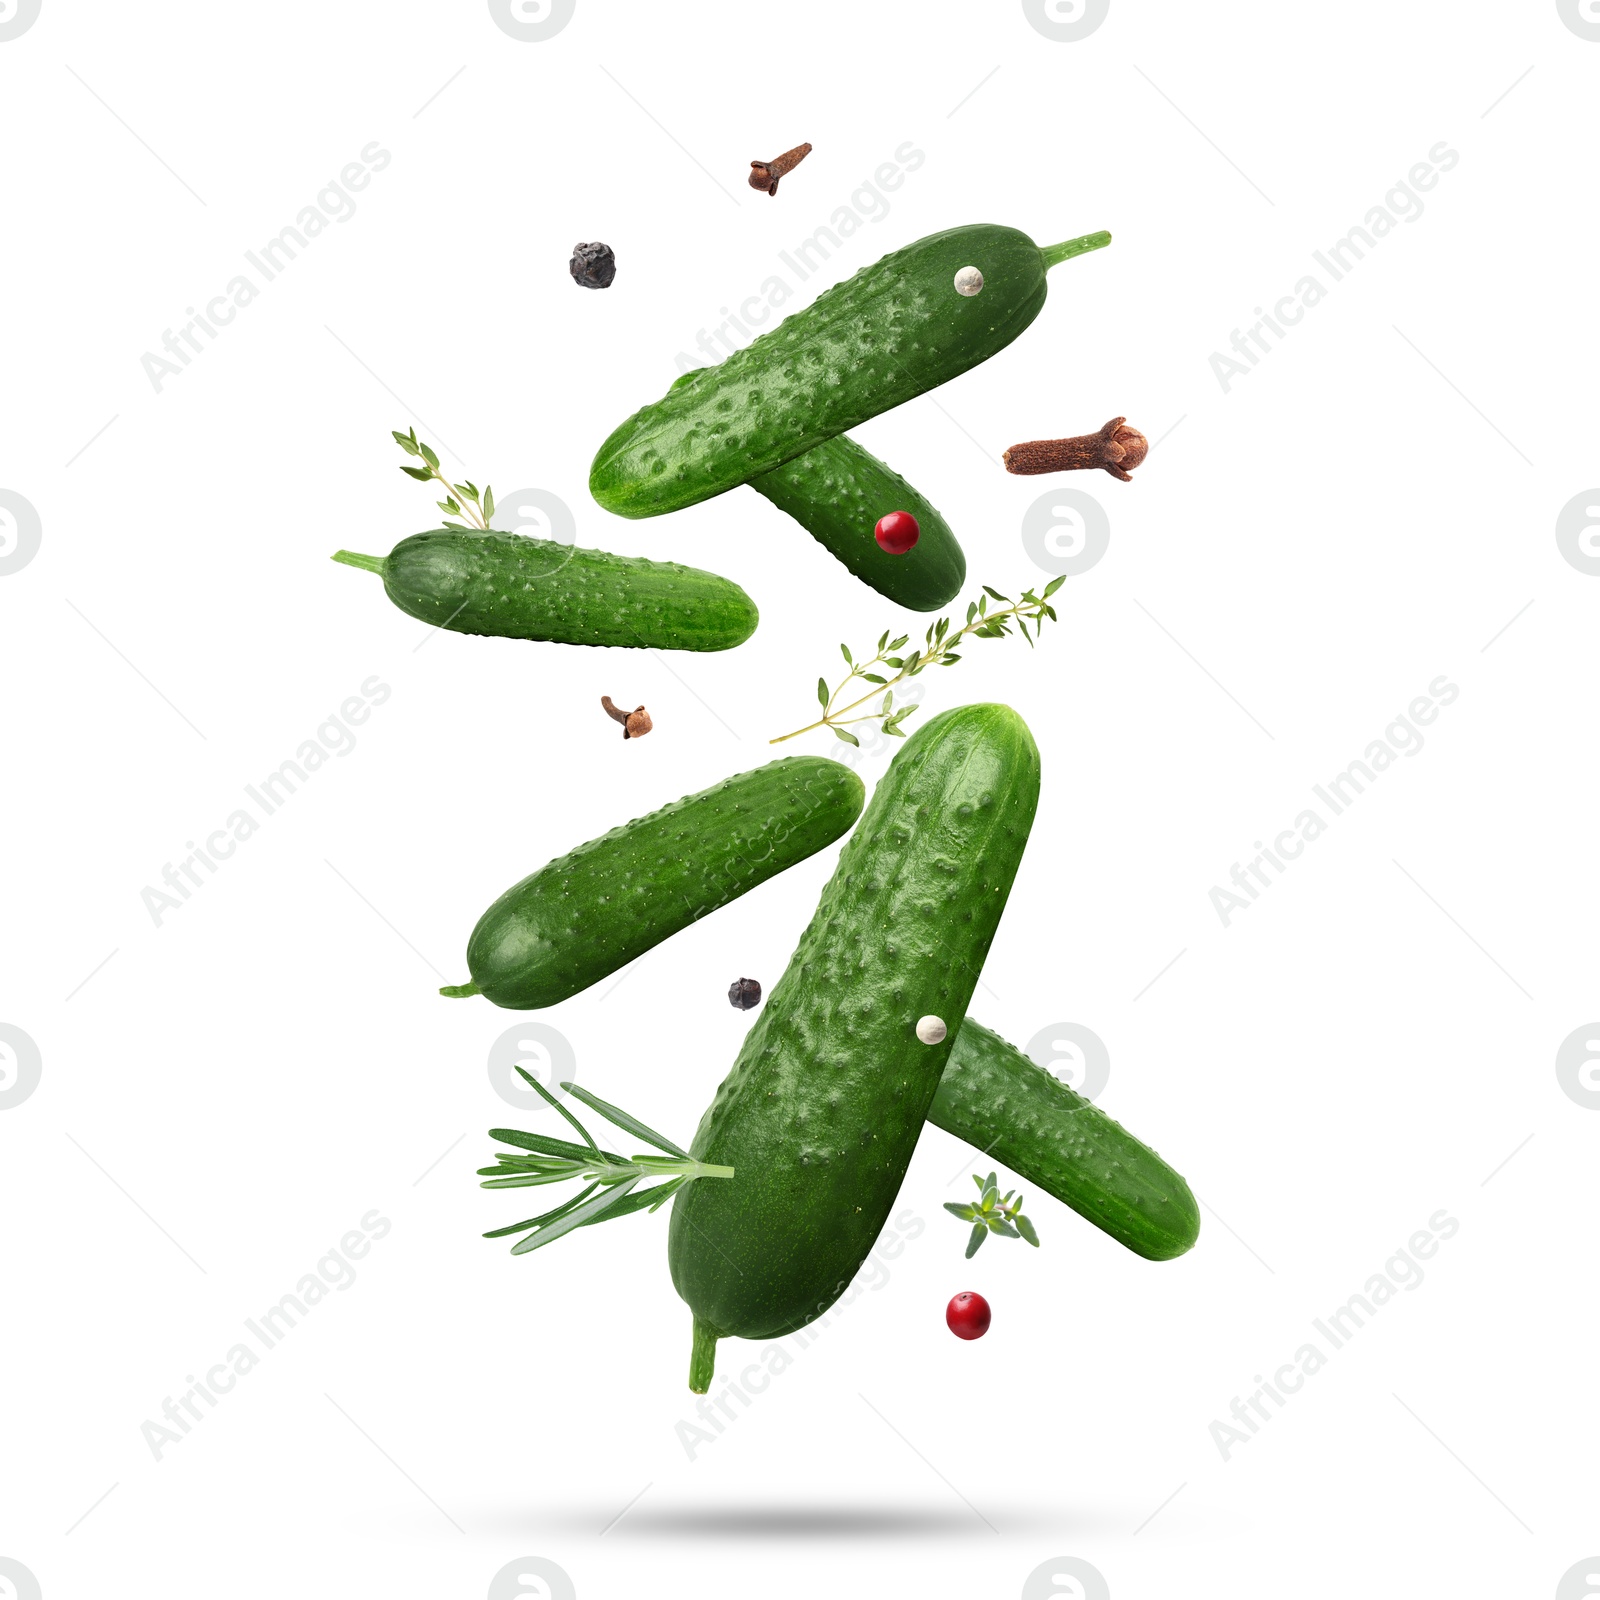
(838, 492)
(891, 332)
(595, 909)
(999, 1101)
(823, 1108)
(517, 588)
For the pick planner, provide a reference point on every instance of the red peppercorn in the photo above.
(967, 1315)
(897, 532)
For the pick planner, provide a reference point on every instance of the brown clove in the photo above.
(1116, 447)
(765, 174)
(635, 724)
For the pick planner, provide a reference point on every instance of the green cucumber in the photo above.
(999, 1101)
(893, 331)
(512, 587)
(824, 1105)
(838, 492)
(598, 907)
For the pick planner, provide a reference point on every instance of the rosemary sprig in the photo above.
(616, 1177)
(462, 501)
(992, 1213)
(937, 650)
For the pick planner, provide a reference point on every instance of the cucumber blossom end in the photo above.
(1024, 1117)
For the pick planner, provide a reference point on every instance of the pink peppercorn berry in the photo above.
(967, 1315)
(897, 532)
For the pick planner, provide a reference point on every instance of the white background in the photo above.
(1373, 1041)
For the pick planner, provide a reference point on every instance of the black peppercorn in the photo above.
(593, 266)
(744, 993)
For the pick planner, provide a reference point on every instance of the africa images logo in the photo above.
(1065, 21)
(16, 17)
(532, 21)
(21, 532)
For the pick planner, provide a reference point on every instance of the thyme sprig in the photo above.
(462, 501)
(616, 1177)
(937, 650)
(993, 1213)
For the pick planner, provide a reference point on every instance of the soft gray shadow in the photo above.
(798, 1522)
(777, 1523)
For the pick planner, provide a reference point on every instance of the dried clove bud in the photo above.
(765, 174)
(744, 993)
(635, 724)
(1116, 447)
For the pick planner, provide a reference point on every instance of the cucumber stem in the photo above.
(1055, 254)
(687, 1168)
(367, 563)
(461, 991)
(703, 1358)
